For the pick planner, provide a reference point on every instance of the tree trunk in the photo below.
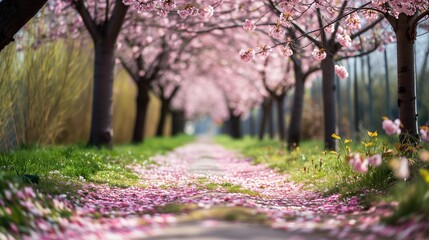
(264, 118)
(162, 118)
(349, 104)
(329, 89)
(280, 117)
(178, 122)
(235, 124)
(386, 71)
(102, 107)
(406, 80)
(297, 108)
(370, 95)
(356, 99)
(142, 103)
(421, 88)
(270, 120)
(14, 14)
(252, 124)
(339, 106)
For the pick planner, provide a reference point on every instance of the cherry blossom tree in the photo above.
(14, 14)
(103, 20)
(404, 17)
(336, 31)
(277, 83)
(167, 90)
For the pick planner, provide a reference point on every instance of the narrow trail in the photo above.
(207, 185)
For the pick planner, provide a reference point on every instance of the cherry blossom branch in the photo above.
(365, 29)
(116, 20)
(87, 19)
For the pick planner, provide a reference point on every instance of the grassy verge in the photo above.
(329, 172)
(62, 168)
(326, 172)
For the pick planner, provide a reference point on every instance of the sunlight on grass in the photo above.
(310, 165)
(62, 169)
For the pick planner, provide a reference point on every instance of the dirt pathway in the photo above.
(203, 191)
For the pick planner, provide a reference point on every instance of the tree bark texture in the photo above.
(406, 80)
(142, 103)
(178, 125)
(14, 14)
(297, 109)
(264, 117)
(280, 117)
(102, 102)
(104, 37)
(271, 120)
(235, 127)
(329, 90)
(162, 118)
(252, 124)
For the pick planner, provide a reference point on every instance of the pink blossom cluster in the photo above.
(249, 25)
(265, 51)
(344, 40)
(285, 19)
(164, 7)
(288, 5)
(341, 72)
(360, 164)
(286, 51)
(391, 127)
(319, 54)
(370, 14)
(247, 55)
(353, 21)
(395, 7)
(276, 31)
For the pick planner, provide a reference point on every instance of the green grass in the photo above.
(227, 186)
(63, 168)
(318, 170)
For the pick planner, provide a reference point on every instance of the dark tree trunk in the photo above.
(280, 117)
(406, 80)
(102, 102)
(104, 37)
(297, 108)
(386, 71)
(235, 126)
(370, 96)
(356, 99)
(252, 124)
(421, 88)
(178, 122)
(162, 118)
(14, 14)
(270, 120)
(339, 106)
(329, 89)
(142, 103)
(349, 104)
(264, 118)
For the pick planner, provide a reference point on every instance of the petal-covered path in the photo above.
(207, 185)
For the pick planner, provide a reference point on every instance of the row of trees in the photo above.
(166, 44)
